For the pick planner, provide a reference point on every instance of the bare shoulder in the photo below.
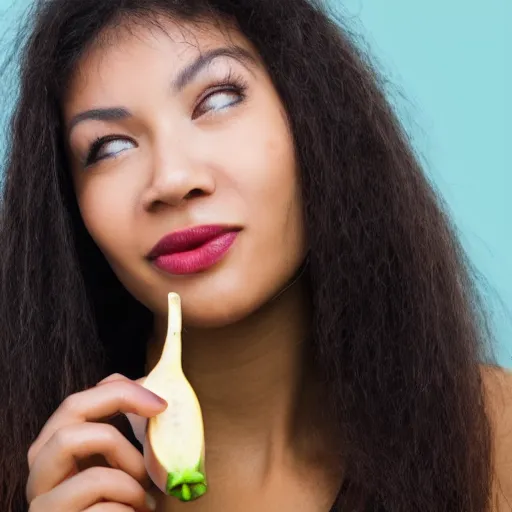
(498, 385)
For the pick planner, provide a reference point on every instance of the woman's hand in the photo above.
(57, 481)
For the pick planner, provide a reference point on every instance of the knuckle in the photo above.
(124, 391)
(70, 403)
(109, 433)
(138, 495)
(97, 476)
(118, 376)
(62, 438)
(103, 477)
(31, 454)
(35, 505)
(113, 377)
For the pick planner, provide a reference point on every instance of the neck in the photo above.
(253, 379)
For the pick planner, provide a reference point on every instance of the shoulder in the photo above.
(498, 386)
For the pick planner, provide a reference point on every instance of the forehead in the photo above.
(159, 45)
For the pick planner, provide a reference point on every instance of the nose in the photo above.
(175, 178)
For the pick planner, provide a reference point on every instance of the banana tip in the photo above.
(173, 298)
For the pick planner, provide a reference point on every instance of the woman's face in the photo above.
(178, 129)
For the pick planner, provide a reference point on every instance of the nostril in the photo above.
(194, 193)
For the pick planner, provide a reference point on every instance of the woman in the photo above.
(243, 155)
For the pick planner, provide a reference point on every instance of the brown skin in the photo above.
(244, 348)
(61, 477)
(70, 438)
(267, 418)
(187, 158)
(245, 351)
(498, 384)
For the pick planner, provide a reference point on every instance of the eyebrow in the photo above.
(188, 74)
(185, 76)
(100, 114)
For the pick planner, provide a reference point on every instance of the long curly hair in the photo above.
(399, 328)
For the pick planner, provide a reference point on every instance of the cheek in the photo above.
(260, 158)
(105, 208)
(277, 197)
(268, 182)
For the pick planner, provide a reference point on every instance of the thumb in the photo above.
(138, 423)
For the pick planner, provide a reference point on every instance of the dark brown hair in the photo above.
(399, 330)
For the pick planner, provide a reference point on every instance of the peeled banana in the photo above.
(174, 447)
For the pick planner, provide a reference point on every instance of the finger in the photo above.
(58, 458)
(114, 377)
(96, 404)
(118, 376)
(138, 423)
(91, 487)
(110, 507)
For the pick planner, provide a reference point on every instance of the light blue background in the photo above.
(450, 71)
(450, 68)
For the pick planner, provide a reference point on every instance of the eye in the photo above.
(107, 147)
(219, 100)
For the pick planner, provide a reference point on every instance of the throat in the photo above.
(308, 488)
(249, 376)
(266, 431)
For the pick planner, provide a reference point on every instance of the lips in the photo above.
(193, 250)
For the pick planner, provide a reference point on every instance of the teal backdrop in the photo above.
(449, 70)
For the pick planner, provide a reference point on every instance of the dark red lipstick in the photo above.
(193, 250)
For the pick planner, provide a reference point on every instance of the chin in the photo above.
(217, 299)
(216, 310)
(210, 313)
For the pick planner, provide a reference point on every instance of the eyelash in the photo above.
(231, 83)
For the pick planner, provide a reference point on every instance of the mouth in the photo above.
(193, 250)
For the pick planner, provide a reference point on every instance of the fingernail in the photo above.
(150, 502)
